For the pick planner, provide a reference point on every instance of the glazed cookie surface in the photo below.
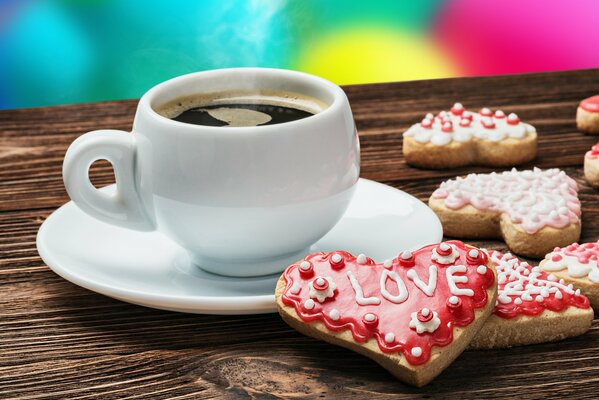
(413, 315)
(576, 264)
(534, 211)
(459, 137)
(587, 115)
(532, 307)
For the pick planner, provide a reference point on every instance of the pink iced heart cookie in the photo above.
(591, 166)
(532, 307)
(413, 315)
(576, 264)
(533, 210)
(459, 137)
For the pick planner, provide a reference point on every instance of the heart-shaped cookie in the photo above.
(413, 315)
(534, 211)
(459, 137)
(532, 307)
(577, 264)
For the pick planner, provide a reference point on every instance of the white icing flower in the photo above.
(425, 326)
(328, 291)
(445, 259)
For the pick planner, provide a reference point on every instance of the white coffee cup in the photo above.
(243, 201)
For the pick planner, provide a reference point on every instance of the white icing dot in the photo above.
(416, 351)
(499, 114)
(454, 300)
(361, 259)
(473, 253)
(295, 288)
(481, 269)
(504, 299)
(309, 304)
(388, 263)
(562, 210)
(406, 255)
(425, 312)
(320, 281)
(305, 265)
(577, 292)
(512, 117)
(389, 337)
(336, 258)
(552, 278)
(334, 314)
(518, 300)
(444, 247)
(369, 317)
(539, 298)
(558, 295)
(553, 215)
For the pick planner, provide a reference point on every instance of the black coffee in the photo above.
(241, 115)
(241, 108)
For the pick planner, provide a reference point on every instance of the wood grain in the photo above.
(61, 341)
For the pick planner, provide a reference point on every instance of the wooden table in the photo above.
(58, 340)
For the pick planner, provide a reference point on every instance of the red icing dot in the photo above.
(488, 123)
(337, 261)
(513, 119)
(485, 112)
(424, 318)
(426, 123)
(556, 257)
(467, 115)
(457, 109)
(391, 316)
(465, 122)
(590, 104)
(370, 320)
(444, 249)
(320, 283)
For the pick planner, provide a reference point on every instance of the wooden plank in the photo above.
(61, 341)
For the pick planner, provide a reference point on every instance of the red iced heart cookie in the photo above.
(413, 315)
(532, 307)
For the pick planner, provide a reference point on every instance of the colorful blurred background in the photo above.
(71, 51)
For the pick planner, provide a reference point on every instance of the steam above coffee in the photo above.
(242, 108)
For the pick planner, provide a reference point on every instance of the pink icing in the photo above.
(532, 198)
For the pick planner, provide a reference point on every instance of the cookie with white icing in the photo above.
(459, 137)
(532, 307)
(533, 211)
(591, 166)
(587, 115)
(576, 264)
(413, 314)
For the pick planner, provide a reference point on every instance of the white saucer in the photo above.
(148, 269)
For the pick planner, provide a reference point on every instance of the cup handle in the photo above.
(123, 208)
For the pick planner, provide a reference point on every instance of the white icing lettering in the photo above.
(360, 299)
(428, 289)
(401, 286)
(452, 280)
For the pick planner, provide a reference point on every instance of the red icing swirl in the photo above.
(388, 322)
(594, 152)
(590, 104)
(527, 290)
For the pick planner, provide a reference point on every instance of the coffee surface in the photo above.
(241, 109)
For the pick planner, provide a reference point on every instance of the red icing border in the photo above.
(391, 317)
(507, 275)
(590, 104)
